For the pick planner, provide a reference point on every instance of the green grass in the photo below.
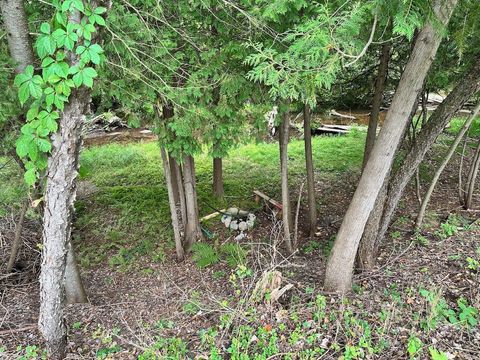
(457, 123)
(132, 198)
(129, 213)
(12, 188)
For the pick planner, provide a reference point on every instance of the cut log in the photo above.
(342, 116)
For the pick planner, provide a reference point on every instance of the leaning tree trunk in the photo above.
(20, 48)
(286, 207)
(59, 206)
(15, 22)
(451, 151)
(468, 86)
(218, 190)
(192, 228)
(312, 204)
(377, 100)
(17, 240)
(470, 186)
(74, 290)
(173, 205)
(339, 270)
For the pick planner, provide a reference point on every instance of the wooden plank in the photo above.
(340, 127)
(269, 199)
(327, 130)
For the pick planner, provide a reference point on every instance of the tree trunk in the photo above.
(15, 21)
(192, 229)
(339, 270)
(218, 177)
(17, 240)
(59, 201)
(451, 151)
(471, 178)
(469, 85)
(461, 190)
(368, 248)
(377, 100)
(174, 181)
(312, 204)
(181, 193)
(170, 182)
(286, 207)
(74, 290)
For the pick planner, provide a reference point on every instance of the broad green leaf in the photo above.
(30, 177)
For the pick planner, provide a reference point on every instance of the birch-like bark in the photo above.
(19, 42)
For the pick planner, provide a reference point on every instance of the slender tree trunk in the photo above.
(286, 206)
(17, 240)
(444, 163)
(192, 229)
(74, 290)
(339, 270)
(170, 182)
(181, 193)
(15, 21)
(471, 178)
(174, 182)
(59, 206)
(312, 204)
(218, 190)
(468, 86)
(461, 190)
(377, 100)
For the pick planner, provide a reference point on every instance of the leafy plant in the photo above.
(414, 346)
(437, 355)
(472, 264)
(48, 91)
(234, 254)
(204, 255)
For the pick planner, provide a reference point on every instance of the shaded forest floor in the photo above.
(422, 298)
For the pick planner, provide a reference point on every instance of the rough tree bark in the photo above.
(173, 205)
(59, 201)
(192, 228)
(339, 270)
(286, 206)
(466, 88)
(446, 160)
(218, 190)
(174, 181)
(312, 204)
(377, 100)
(15, 21)
(470, 186)
(181, 192)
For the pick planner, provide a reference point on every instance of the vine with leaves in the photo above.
(68, 57)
